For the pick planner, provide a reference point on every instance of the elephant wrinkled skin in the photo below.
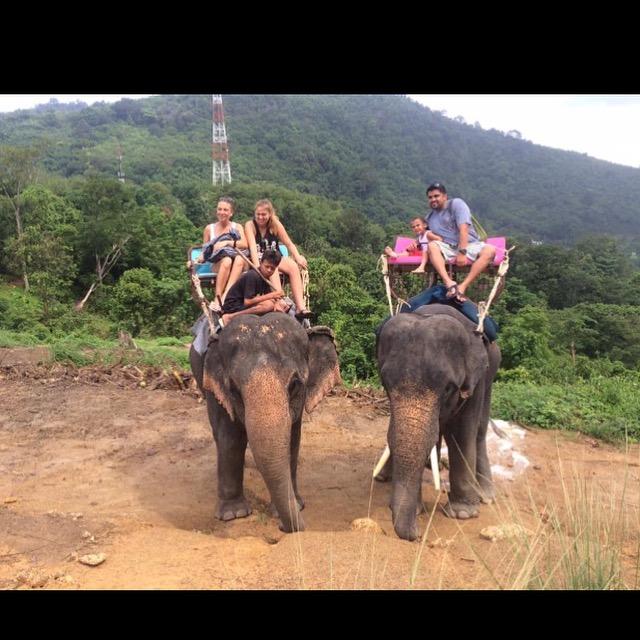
(438, 376)
(257, 376)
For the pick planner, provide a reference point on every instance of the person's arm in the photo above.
(463, 241)
(431, 236)
(242, 243)
(274, 295)
(253, 284)
(206, 236)
(251, 242)
(283, 236)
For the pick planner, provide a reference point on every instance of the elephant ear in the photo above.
(476, 363)
(324, 370)
(214, 378)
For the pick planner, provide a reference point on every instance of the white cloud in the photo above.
(603, 126)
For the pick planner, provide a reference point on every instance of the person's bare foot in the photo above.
(390, 252)
(419, 270)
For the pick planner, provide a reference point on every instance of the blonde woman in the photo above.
(264, 232)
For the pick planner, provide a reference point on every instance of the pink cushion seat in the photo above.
(402, 242)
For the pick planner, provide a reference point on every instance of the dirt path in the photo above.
(131, 473)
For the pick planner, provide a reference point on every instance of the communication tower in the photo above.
(219, 146)
(120, 171)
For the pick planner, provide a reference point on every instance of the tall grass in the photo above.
(578, 542)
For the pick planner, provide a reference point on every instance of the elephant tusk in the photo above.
(435, 468)
(383, 459)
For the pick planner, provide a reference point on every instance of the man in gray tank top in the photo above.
(451, 221)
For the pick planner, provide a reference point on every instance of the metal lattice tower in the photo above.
(120, 171)
(219, 146)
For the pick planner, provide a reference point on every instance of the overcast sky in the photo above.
(604, 126)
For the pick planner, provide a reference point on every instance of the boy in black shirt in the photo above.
(251, 294)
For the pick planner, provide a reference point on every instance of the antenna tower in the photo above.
(219, 146)
(120, 171)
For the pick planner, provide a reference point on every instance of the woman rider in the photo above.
(225, 236)
(266, 231)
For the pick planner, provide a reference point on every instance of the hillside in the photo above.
(373, 153)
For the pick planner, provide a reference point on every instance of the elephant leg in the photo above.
(463, 494)
(483, 466)
(231, 445)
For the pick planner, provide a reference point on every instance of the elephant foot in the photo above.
(232, 509)
(461, 510)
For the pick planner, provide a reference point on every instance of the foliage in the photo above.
(351, 312)
(568, 316)
(608, 408)
(525, 340)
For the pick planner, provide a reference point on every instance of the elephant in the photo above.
(257, 375)
(438, 376)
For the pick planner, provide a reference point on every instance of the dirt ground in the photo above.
(90, 468)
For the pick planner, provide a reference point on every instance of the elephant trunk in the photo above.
(414, 432)
(268, 423)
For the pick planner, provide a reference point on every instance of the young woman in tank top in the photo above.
(231, 235)
(265, 231)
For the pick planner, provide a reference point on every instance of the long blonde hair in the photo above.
(273, 217)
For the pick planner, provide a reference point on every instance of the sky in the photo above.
(603, 126)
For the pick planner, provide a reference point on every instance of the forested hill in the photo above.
(375, 153)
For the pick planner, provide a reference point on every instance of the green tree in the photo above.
(106, 206)
(525, 340)
(18, 170)
(49, 236)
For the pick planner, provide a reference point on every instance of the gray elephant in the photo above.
(438, 375)
(257, 376)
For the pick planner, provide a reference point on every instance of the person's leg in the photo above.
(485, 257)
(275, 280)
(239, 265)
(437, 260)
(257, 309)
(290, 268)
(224, 268)
(423, 264)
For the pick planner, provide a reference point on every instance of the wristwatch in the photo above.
(462, 251)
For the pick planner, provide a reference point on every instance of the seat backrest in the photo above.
(203, 271)
(401, 245)
(500, 243)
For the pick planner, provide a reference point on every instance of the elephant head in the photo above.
(437, 374)
(261, 372)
